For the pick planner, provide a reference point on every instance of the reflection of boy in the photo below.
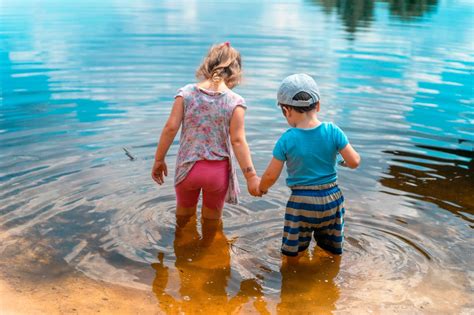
(316, 205)
(309, 287)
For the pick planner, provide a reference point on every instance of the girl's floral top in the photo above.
(205, 132)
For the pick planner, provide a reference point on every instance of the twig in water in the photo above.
(130, 156)
(232, 245)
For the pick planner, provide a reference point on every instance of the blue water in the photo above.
(82, 80)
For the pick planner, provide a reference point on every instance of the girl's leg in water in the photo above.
(187, 196)
(214, 189)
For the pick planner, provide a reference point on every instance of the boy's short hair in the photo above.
(301, 96)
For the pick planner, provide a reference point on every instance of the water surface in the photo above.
(80, 81)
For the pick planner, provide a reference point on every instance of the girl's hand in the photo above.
(252, 186)
(159, 168)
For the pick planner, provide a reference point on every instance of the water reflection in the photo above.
(203, 267)
(357, 14)
(70, 195)
(199, 280)
(408, 9)
(445, 182)
(354, 13)
(310, 284)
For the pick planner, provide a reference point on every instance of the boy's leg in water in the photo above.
(331, 238)
(293, 260)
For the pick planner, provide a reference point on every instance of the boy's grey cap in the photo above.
(294, 84)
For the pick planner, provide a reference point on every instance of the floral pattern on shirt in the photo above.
(205, 132)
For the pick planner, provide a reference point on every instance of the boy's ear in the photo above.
(317, 106)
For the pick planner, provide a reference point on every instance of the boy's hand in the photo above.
(159, 168)
(342, 163)
(252, 186)
(271, 175)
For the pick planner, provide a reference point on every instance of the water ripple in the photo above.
(74, 94)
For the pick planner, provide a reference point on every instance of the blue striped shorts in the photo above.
(314, 211)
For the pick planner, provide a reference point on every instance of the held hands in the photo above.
(159, 169)
(253, 184)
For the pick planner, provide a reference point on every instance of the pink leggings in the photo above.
(210, 176)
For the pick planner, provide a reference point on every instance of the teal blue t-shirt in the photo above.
(310, 154)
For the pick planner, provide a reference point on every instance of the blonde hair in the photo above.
(222, 62)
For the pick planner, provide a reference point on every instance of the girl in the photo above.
(212, 119)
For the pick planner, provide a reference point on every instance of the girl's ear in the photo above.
(317, 106)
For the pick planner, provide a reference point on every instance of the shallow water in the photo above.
(81, 81)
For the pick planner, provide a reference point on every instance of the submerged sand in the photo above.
(80, 295)
(33, 280)
(73, 295)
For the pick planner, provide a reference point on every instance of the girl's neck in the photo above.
(212, 86)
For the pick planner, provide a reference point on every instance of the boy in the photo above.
(316, 205)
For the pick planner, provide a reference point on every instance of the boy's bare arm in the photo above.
(350, 156)
(271, 175)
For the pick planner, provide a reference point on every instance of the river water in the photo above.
(82, 80)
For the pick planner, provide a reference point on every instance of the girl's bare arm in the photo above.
(170, 130)
(242, 151)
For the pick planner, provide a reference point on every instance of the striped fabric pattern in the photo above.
(314, 211)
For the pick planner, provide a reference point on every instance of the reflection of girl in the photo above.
(212, 119)
(203, 265)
